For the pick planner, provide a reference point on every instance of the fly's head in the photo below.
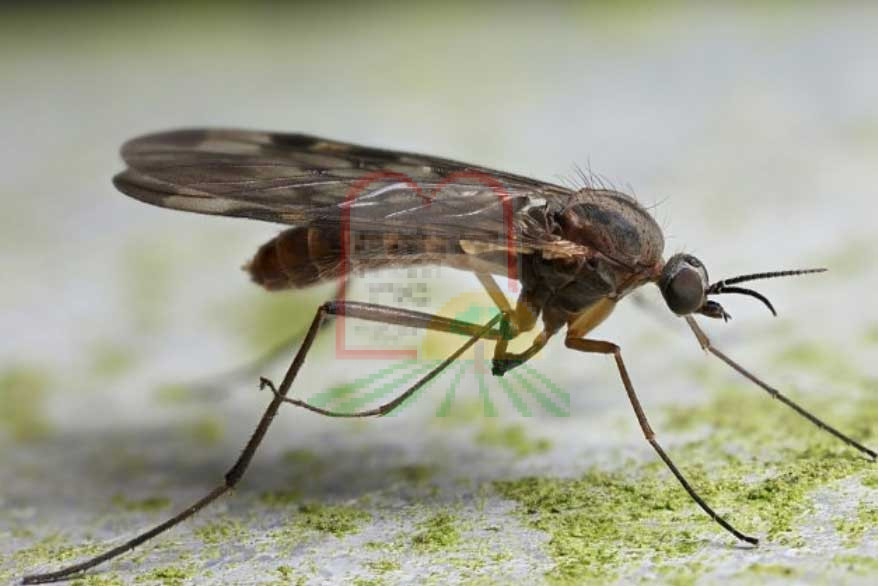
(686, 287)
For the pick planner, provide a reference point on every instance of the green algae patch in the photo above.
(392, 546)
(870, 480)
(99, 580)
(338, 520)
(603, 519)
(289, 576)
(167, 576)
(512, 437)
(145, 505)
(777, 502)
(856, 564)
(221, 532)
(53, 550)
(288, 537)
(768, 461)
(759, 466)
(23, 398)
(441, 531)
(384, 566)
(853, 529)
(769, 570)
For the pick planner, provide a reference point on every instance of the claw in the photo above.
(501, 367)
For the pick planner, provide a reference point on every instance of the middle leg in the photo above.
(601, 347)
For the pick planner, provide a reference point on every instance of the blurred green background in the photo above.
(751, 127)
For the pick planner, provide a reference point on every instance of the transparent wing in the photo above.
(298, 179)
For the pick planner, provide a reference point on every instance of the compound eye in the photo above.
(693, 261)
(684, 292)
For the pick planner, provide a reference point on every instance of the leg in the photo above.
(600, 347)
(388, 407)
(495, 292)
(230, 480)
(521, 319)
(505, 361)
(234, 474)
(775, 394)
(406, 317)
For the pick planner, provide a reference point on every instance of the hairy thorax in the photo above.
(624, 250)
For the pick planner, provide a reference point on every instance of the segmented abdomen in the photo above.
(307, 255)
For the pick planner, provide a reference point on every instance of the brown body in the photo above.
(623, 241)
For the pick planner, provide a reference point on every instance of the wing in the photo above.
(298, 179)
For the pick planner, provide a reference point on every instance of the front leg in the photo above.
(708, 346)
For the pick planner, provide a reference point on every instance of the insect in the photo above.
(575, 252)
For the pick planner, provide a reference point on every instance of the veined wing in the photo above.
(298, 179)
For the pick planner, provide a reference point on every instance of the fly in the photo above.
(574, 253)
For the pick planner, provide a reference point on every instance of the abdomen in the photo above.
(307, 255)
